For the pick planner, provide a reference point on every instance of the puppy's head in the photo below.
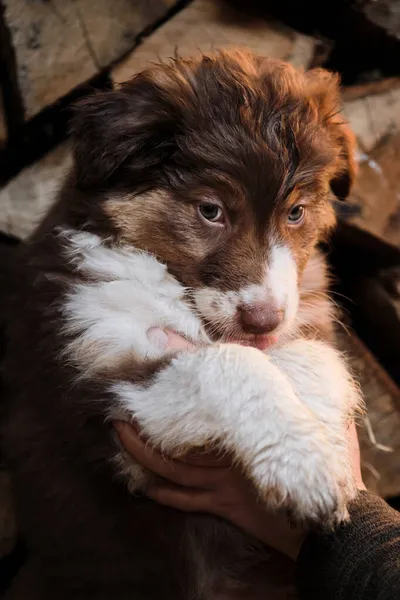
(223, 168)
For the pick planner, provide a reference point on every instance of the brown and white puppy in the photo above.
(198, 194)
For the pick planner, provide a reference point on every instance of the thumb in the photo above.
(169, 340)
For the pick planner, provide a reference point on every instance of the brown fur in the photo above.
(257, 135)
(236, 127)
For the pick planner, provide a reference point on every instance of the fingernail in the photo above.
(119, 425)
(158, 337)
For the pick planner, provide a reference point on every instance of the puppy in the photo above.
(199, 192)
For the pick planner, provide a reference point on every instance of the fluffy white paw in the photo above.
(310, 480)
(321, 380)
(238, 399)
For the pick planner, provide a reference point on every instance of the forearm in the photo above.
(360, 561)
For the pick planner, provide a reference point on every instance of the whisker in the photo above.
(327, 295)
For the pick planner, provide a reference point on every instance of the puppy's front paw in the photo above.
(323, 493)
(309, 481)
(321, 381)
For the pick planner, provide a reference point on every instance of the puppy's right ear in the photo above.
(346, 172)
(117, 134)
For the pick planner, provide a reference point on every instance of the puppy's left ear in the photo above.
(120, 134)
(324, 89)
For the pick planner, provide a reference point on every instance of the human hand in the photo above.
(355, 456)
(168, 340)
(210, 483)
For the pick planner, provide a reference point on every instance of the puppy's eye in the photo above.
(211, 212)
(296, 215)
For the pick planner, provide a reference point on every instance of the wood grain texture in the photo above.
(207, 25)
(59, 45)
(377, 190)
(25, 199)
(381, 469)
(374, 116)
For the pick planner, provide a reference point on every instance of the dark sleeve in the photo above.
(359, 561)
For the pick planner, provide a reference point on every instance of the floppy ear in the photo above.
(324, 88)
(120, 133)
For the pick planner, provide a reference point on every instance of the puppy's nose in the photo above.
(260, 318)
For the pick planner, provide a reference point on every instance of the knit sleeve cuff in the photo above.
(358, 561)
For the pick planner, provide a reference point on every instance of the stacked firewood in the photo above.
(48, 50)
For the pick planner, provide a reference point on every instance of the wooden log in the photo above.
(373, 116)
(377, 190)
(384, 15)
(59, 45)
(371, 88)
(379, 432)
(205, 26)
(27, 198)
(373, 112)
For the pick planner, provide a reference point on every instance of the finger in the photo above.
(173, 470)
(207, 458)
(352, 437)
(187, 500)
(178, 342)
(197, 456)
(354, 447)
(168, 340)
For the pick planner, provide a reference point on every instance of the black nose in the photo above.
(260, 318)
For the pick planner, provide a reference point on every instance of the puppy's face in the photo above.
(223, 169)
